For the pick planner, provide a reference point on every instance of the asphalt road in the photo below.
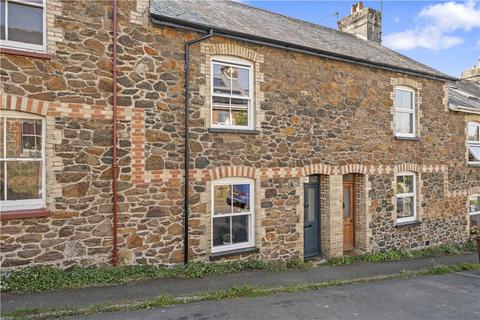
(452, 296)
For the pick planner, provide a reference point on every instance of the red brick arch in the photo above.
(407, 167)
(354, 168)
(23, 104)
(233, 171)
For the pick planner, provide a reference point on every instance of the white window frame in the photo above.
(23, 45)
(472, 213)
(251, 214)
(473, 143)
(407, 195)
(405, 110)
(239, 63)
(30, 204)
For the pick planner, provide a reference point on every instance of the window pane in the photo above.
(404, 184)
(221, 79)
(400, 184)
(240, 81)
(2, 180)
(475, 221)
(474, 153)
(221, 231)
(346, 202)
(221, 102)
(474, 204)
(403, 99)
(404, 122)
(241, 198)
(239, 104)
(398, 99)
(24, 180)
(405, 207)
(22, 29)
(222, 199)
(408, 184)
(2, 19)
(22, 145)
(473, 133)
(28, 127)
(240, 118)
(221, 117)
(240, 228)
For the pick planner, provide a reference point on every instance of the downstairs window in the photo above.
(22, 162)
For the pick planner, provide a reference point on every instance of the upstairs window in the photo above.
(474, 210)
(406, 197)
(404, 112)
(232, 93)
(22, 24)
(22, 158)
(473, 143)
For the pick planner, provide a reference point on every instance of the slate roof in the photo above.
(237, 18)
(464, 96)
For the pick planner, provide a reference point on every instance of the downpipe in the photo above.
(187, 140)
(114, 133)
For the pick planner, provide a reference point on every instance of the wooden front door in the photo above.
(348, 213)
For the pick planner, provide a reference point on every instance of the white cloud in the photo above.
(434, 26)
(396, 19)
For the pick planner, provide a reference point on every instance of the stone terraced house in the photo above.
(303, 141)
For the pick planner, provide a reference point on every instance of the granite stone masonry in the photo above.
(312, 116)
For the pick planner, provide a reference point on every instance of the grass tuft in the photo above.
(451, 249)
(41, 278)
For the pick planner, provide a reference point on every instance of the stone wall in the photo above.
(313, 116)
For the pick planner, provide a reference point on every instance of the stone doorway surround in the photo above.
(331, 214)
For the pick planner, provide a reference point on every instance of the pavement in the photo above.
(140, 290)
(450, 296)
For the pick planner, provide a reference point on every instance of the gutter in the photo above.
(190, 26)
(463, 109)
(187, 140)
(114, 133)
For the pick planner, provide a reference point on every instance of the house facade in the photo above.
(327, 145)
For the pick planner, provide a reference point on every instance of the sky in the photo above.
(442, 34)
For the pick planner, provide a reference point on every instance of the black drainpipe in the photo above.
(187, 139)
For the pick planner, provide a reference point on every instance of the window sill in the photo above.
(24, 214)
(474, 165)
(239, 131)
(407, 138)
(407, 224)
(32, 54)
(231, 253)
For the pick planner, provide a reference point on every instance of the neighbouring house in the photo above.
(300, 140)
(464, 97)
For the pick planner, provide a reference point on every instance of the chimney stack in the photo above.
(472, 74)
(365, 23)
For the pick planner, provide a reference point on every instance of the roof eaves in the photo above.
(464, 109)
(192, 26)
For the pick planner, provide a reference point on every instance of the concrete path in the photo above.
(444, 297)
(145, 289)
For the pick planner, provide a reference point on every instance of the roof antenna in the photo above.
(335, 13)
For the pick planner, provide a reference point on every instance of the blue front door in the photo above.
(311, 218)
